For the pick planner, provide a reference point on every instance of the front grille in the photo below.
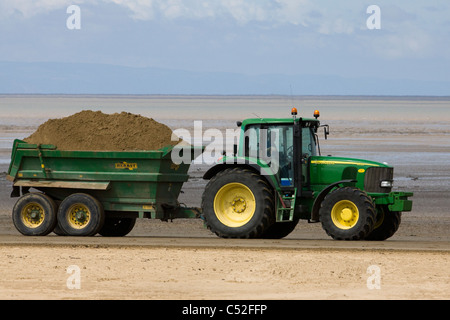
(373, 179)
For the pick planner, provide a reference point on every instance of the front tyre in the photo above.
(237, 203)
(347, 214)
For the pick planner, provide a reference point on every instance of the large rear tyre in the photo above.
(347, 214)
(80, 214)
(34, 214)
(387, 223)
(237, 203)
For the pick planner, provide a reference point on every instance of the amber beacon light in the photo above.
(316, 114)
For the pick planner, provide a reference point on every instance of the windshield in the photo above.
(309, 147)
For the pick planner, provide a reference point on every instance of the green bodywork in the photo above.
(320, 174)
(142, 183)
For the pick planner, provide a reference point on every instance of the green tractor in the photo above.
(277, 177)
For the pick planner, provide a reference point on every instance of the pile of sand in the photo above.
(94, 130)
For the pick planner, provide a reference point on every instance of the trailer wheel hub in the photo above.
(33, 215)
(79, 216)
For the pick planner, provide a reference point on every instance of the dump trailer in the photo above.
(82, 193)
(275, 177)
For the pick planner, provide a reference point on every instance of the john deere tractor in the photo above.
(277, 176)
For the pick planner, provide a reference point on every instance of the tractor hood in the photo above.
(333, 161)
(367, 174)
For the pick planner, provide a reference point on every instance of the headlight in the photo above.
(386, 184)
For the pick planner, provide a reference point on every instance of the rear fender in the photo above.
(246, 163)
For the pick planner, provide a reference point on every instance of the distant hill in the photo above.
(84, 78)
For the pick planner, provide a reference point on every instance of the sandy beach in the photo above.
(196, 264)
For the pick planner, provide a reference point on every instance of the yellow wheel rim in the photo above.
(345, 214)
(234, 205)
(78, 216)
(33, 215)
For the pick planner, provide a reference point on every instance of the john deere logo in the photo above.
(126, 165)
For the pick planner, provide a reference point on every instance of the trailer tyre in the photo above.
(347, 214)
(237, 203)
(58, 231)
(117, 227)
(80, 214)
(34, 214)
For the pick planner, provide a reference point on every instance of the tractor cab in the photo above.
(283, 144)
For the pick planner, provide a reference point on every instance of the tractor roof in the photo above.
(247, 122)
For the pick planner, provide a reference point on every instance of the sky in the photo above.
(251, 37)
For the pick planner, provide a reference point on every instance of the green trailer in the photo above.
(91, 192)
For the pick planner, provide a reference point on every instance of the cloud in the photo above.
(409, 42)
(325, 19)
(30, 8)
(141, 9)
(406, 32)
(238, 10)
(242, 12)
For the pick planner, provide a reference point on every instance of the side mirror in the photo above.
(326, 130)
